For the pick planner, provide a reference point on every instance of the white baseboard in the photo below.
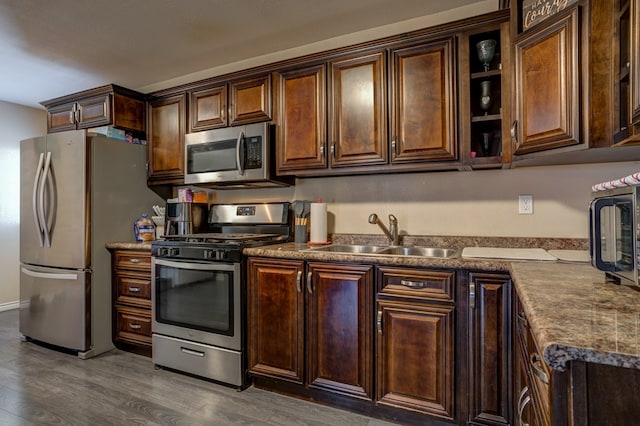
(9, 306)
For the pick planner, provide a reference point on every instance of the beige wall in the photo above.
(17, 122)
(455, 203)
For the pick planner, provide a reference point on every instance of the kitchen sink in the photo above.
(419, 251)
(349, 248)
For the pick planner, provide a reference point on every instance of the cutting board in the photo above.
(571, 255)
(507, 253)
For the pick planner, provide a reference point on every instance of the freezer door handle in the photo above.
(43, 215)
(48, 275)
(34, 199)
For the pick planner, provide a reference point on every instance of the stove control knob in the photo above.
(209, 254)
(222, 254)
(174, 251)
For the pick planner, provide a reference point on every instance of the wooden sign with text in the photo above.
(536, 11)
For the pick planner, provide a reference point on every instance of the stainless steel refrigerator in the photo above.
(78, 191)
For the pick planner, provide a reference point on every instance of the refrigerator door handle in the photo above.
(34, 199)
(43, 215)
(47, 275)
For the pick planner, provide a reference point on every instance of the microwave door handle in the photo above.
(597, 234)
(240, 154)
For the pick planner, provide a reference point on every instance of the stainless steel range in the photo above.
(199, 290)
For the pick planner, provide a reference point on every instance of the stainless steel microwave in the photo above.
(232, 157)
(614, 240)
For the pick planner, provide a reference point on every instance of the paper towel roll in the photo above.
(318, 223)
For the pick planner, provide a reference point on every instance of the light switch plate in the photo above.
(525, 204)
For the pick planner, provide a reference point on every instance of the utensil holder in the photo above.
(301, 233)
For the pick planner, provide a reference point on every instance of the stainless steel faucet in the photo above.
(392, 232)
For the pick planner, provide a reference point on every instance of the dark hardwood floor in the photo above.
(42, 386)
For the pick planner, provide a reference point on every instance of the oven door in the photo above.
(197, 301)
(613, 239)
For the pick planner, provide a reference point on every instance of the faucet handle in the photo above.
(392, 219)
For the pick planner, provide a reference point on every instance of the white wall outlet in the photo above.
(525, 204)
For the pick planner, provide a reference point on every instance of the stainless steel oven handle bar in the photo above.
(189, 264)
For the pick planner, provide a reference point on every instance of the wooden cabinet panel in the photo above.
(131, 293)
(415, 362)
(357, 106)
(416, 283)
(276, 319)
(250, 100)
(94, 111)
(207, 108)
(129, 113)
(61, 118)
(490, 354)
(302, 132)
(339, 329)
(547, 96)
(133, 260)
(165, 144)
(423, 113)
(634, 10)
(105, 105)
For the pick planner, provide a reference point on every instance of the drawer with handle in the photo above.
(133, 260)
(133, 321)
(416, 284)
(133, 290)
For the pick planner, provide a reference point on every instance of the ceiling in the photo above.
(51, 48)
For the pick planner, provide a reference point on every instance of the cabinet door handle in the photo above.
(77, 114)
(333, 149)
(134, 260)
(413, 284)
(537, 370)
(472, 296)
(299, 282)
(134, 289)
(522, 320)
(72, 116)
(514, 132)
(309, 286)
(135, 326)
(322, 149)
(394, 146)
(379, 321)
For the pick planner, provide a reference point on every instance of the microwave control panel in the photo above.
(254, 152)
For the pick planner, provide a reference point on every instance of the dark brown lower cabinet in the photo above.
(315, 329)
(415, 365)
(489, 349)
(276, 319)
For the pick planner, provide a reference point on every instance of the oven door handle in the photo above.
(210, 266)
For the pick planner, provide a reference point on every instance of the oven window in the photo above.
(212, 157)
(197, 299)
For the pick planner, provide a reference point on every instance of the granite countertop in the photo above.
(129, 246)
(573, 313)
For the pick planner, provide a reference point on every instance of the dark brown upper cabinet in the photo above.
(357, 114)
(102, 106)
(423, 102)
(208, 108)
(238, 102)
(165, 144)
(547, 108)
(302, 133)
